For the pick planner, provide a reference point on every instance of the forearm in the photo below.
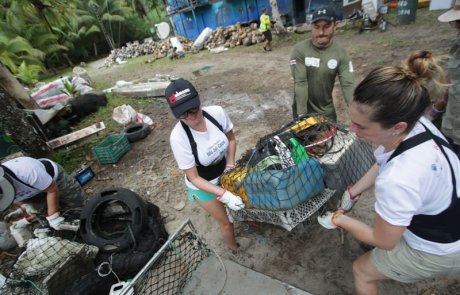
(231, 148)
(366, 182)
(52, 202)
(357, 229)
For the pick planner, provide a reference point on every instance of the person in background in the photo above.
(449, 105)
(315, 63)
(265, 28)
(26, 181)
(416, 182)
(204, 146)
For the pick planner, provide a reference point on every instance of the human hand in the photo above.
(55, 220)
(229, 167)
(328, 220)
(12, 215)
(23, 222)
(28, 208)
(232, 201)
(348, 200)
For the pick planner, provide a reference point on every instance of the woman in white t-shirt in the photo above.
(204, 145)
(416, 232)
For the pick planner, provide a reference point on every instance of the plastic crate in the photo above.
(111, 149)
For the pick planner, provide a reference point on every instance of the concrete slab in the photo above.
(148, 89)
(211, 277)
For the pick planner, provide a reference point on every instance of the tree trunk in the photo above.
(279, 27)
(16, 90)
(14, 123)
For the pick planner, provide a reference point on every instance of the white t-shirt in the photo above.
(212, 145)
(32, 172)
(417, 181)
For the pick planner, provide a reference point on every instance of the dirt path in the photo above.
(256, 89)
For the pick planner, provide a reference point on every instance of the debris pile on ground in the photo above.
(235, 35)
(148, 47)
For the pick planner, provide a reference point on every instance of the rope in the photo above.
(109, 268)
(30, 282)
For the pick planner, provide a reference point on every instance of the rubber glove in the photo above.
(23, 222)
(12, 215)
(232, 201)
(348, 200)
(55, 220)
(328, 220)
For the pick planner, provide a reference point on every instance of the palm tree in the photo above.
(13, 51)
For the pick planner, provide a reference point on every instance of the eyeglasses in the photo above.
(189, 112)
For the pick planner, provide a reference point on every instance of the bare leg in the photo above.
(217, 211)
(366, 275)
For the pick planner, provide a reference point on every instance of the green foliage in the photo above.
(70, 88)
(28, 74)
(13, 51)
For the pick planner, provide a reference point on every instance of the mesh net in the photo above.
(172, 266)
(292, 172)
(61, 262)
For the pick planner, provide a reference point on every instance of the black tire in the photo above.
(91, 284)
(130, 261)
(137, 131)
(113, 219)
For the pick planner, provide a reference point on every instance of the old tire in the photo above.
(137, 131)
(113, 219)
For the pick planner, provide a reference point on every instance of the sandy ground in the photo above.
(256, 89)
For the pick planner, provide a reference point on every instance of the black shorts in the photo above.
(268, 35)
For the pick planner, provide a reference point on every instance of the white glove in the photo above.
(229, 167)
(233, 202)
(55, 220)
(328, 220)
(29, 209)
(23, 222)
(12, 215)
(348, 200)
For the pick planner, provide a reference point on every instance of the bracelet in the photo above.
(221, 195)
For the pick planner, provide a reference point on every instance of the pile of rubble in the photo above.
(235, 35)
(149, 47)
(228, 37)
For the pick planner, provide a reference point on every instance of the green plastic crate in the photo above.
(111, 149)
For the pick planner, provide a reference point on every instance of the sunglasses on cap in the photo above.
(191, 111)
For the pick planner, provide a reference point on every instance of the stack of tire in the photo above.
(127, 230)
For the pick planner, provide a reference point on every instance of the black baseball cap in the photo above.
(181, 97)
(326, 13)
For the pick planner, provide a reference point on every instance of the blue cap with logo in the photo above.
(326, 13)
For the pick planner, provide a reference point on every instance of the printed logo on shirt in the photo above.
(332, 64)
(179, 95)
(350, 67)
(312, 62)
(292, 62)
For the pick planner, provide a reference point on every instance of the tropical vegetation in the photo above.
(37, 36)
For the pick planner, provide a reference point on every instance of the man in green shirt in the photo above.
(315, 63)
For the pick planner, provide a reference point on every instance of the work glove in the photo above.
(229, 167)
(233, 202)
(12, 215)
(348, 200)
(328, 220)
(23, 222)
(55, 220)
(29, 209)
